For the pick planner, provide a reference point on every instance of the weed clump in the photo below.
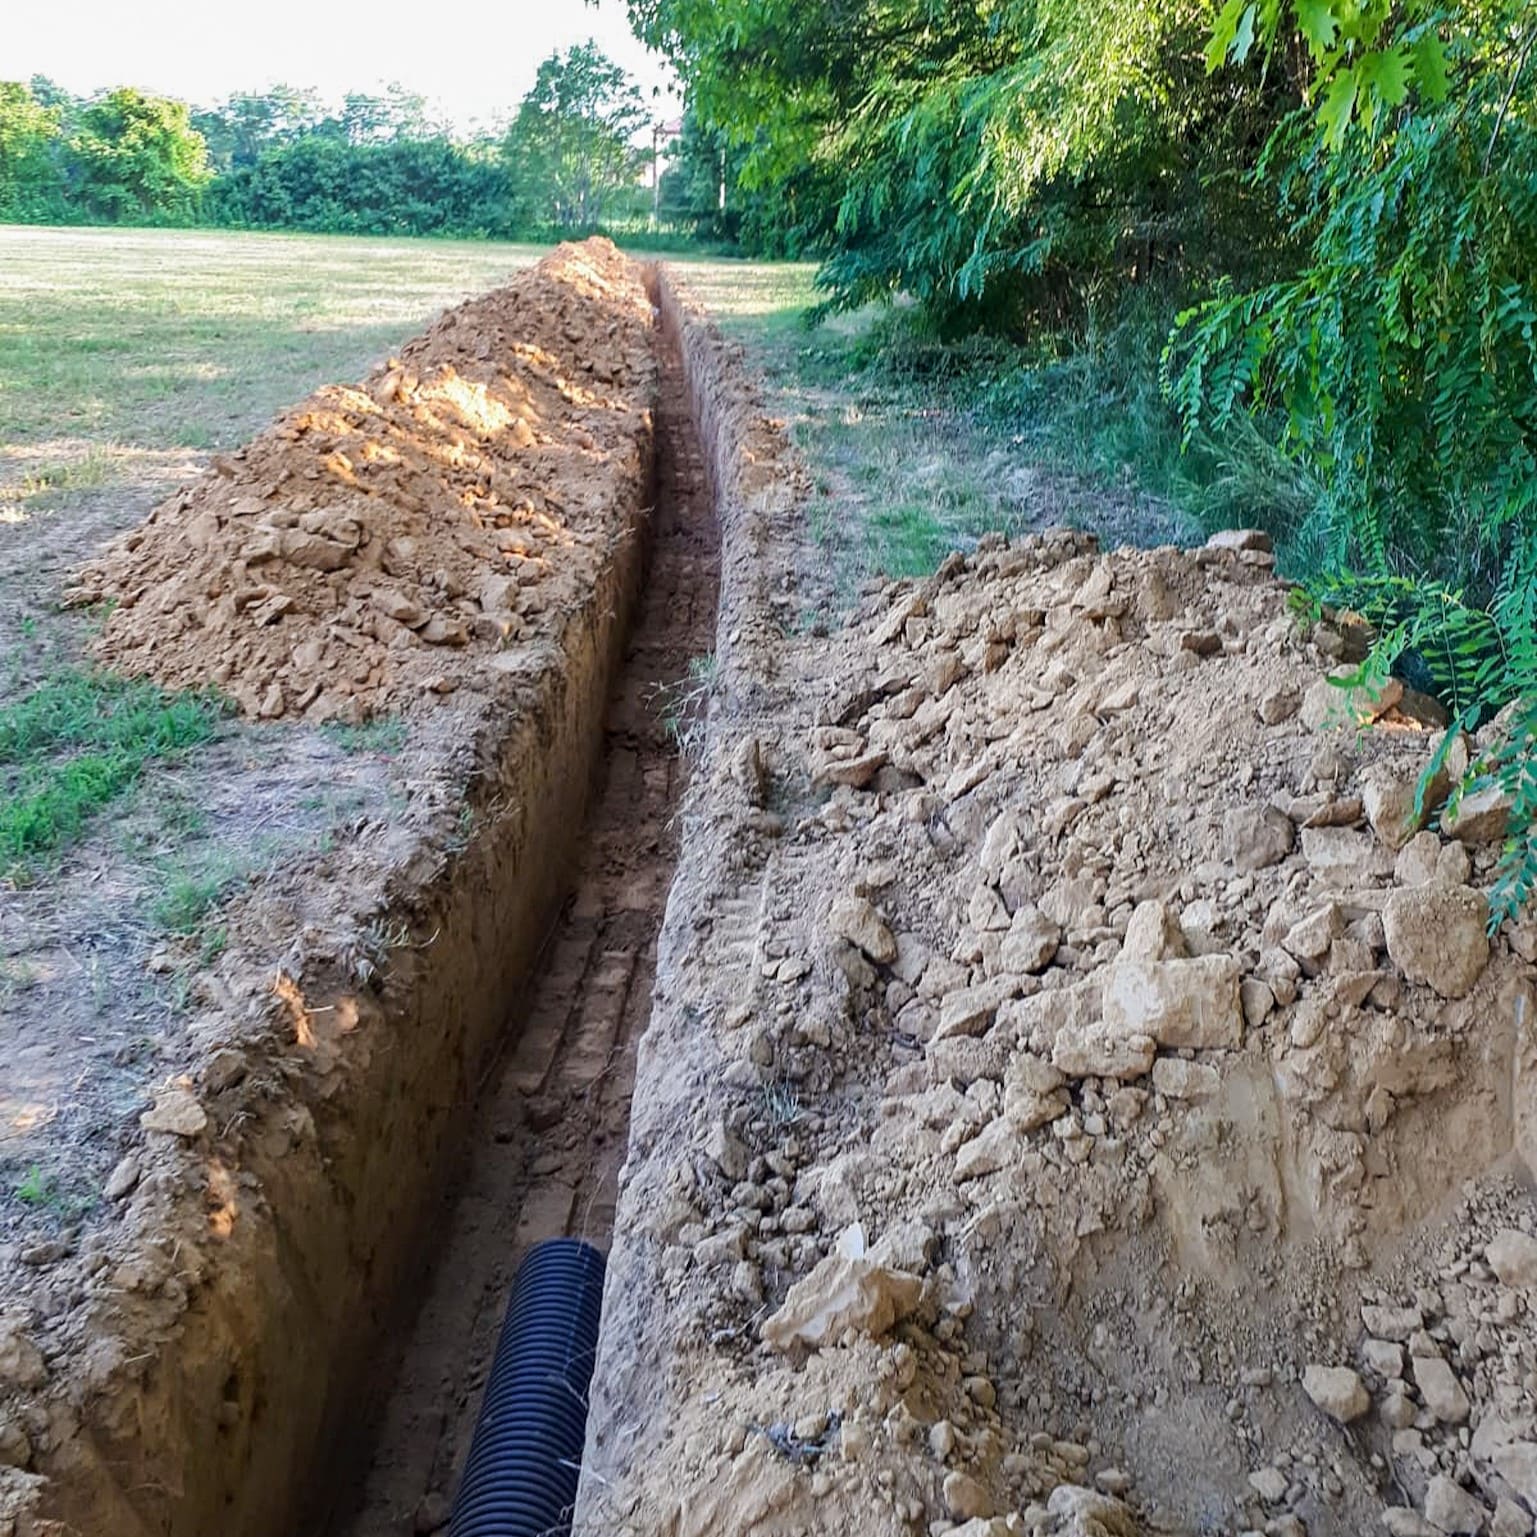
(77, 742)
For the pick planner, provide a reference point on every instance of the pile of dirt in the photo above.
(185, 1348)
(413, 533)
(1083, 1096)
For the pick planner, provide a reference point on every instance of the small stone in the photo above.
(970, 1010)
(1079, 1509)
(1179, 1079)
(21, 1362)
(1440, 1389)
(1309, 939)
(1341, 855)
(123, 1178)
(726, 1152)
(1439, 935)
(1383, 1357)
(1482, 817)
(1152, 934)
(1512, 1256)
(1450, 1508)
(1279, 704)
(1256, 837)
(1269, 1484)
(1397, 1410)
(1416, 862)
(48, 1251)
(1388, 796)
(1401, 1521)
(1031, 941)
(1099, 1052)
(177, 1112)
(988, 1152)
(1391, 1323)
(1178, 1003)
(431, 1515)
(1337, 1390)
(441, 631)
(854, 919)
(1510, 1521)
(1257, 1000)
(965, 1498)
(1516, 1463)
(15, 1443)
(842, 1293)
(224, 1069)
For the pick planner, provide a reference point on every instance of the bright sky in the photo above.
(472, 59)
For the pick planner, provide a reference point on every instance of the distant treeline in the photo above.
(577, 155)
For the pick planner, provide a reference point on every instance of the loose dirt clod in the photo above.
(408, 535)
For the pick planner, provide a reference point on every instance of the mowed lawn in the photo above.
(122, 345)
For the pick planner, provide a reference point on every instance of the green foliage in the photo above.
(1402, 353)
(387, 734)
(1358, 61)
(322, 182)
(28, 131)
(570, 152)
(999, 161)
(250, 123)
(377, 165)
(1481, 659)
(77, 742)
(135, 156)
(191, 888)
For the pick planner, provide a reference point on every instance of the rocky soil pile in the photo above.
(1115, 1129)
(409, 535)
(278, 1155)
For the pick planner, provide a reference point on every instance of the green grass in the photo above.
(117, 341)
(919, 445)
(75, 743)
(386, 734)
(192, 886)
(42, 1192)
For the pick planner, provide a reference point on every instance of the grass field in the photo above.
(120, 347)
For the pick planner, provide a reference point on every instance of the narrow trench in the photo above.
(552, 1120)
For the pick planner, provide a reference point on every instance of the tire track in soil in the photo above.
(552, 1122)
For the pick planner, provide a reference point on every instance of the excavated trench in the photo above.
(552, 1116)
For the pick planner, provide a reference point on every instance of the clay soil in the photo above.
(1082, 1097)
(552, 1123)
(1039, 1071)
(248, 1162)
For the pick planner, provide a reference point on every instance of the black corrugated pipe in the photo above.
(526, 1453)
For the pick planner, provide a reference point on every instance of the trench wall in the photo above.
(707, 949)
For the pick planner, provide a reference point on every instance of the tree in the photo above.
(138, 156)
(998, 159)
(571, 148)
(248, 123)
(28, 131)
(1400, 356)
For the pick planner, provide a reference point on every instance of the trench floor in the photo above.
(552, 1121)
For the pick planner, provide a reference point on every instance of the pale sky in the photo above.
(472, 59)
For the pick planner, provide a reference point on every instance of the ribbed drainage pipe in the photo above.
(526, 1453)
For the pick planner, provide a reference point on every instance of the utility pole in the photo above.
(656, 173)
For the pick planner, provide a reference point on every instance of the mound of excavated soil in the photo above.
(1082, 1091)
(193, 1349)
(411, 534)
